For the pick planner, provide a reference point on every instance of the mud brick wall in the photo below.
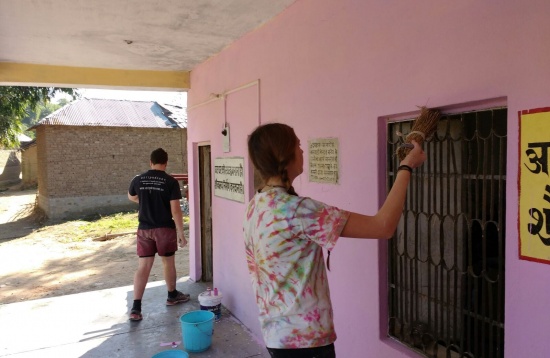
(86, 170)
(29, 166)
(10, 167)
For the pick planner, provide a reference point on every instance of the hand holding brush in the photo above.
(414, 158)
(423, 128)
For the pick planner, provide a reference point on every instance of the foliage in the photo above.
(28, 133)
(63, 102)
(80, 230)
(98, 226)
(116, 223)
(14, 103)
(41, 110)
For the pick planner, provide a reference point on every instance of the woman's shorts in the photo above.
(163, 241)
(317, 352)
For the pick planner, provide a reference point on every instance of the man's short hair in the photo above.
(159, 156)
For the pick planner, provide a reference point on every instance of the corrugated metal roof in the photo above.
(23, 138)
(175, 113)
(110, 113)
(27, 145)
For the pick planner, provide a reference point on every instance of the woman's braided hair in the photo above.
(271, 148)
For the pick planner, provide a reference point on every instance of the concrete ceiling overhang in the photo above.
(137, 44)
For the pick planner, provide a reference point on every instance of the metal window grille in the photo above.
(446, 260)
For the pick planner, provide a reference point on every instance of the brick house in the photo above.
(89, 150)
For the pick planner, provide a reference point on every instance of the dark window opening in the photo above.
(446, 260)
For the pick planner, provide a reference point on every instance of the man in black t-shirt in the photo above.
(160, 228)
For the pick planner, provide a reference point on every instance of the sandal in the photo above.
(135, 315)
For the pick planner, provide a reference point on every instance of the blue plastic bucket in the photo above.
(174, 353)
(197, 328)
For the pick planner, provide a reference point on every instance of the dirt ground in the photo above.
(36, 261)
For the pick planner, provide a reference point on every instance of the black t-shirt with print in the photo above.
(155, 190)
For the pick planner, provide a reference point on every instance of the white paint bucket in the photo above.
(209, 302)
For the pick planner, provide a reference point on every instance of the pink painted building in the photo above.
(347, 70)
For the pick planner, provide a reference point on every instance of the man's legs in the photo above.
(170, 276)
(140, 281)
(146, 250)
(142, 276)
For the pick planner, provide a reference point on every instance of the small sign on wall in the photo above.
(534, 185)
(323, 160)
(229, 178)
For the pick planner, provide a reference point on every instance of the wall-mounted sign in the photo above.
(323, 160)
(534, 185)
(229, 178)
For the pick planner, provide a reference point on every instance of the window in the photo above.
(446, 260)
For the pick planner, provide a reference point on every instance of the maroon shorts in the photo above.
(163, 240)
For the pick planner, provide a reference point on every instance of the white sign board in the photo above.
(229, 178)
(323, 160)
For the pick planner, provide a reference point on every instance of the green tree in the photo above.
(64, 101)
(41, 110)
(14, 104)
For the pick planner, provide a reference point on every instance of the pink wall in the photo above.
(332, 69)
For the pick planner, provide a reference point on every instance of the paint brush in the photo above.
(423, 128)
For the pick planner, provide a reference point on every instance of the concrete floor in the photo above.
(95, 325)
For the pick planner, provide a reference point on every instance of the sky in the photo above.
(179, 98)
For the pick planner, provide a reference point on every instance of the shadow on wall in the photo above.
(11, 169)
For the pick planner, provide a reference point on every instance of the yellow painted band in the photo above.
(21, 74)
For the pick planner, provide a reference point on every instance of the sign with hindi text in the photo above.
(534, 185)
(323, 160)
(229, 178)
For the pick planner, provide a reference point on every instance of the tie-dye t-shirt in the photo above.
(284, 237)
